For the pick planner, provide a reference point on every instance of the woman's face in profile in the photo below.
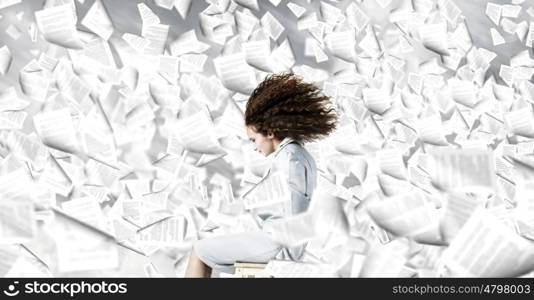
(264, 144)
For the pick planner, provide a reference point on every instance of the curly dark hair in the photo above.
(286, 106)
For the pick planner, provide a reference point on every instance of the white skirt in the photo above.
(221, 252)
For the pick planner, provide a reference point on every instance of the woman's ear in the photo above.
(270, 135)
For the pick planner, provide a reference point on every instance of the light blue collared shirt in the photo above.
(296, 162)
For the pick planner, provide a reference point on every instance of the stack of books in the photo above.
(250, 270)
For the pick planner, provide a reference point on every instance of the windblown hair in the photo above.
(286, 106)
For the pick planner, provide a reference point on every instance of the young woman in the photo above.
(282, 113)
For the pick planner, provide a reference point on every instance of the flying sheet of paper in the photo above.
(463, 92)
(147, 15)
(12, 119)
(58, 26)
(156, 34)
(529, 42)
(271, 25)
(430, 130)
(341, 44)
(385, 261)
(56, 129)
(17, 223)
(187, 43)
(80, 248)
(307, 21)
(496, 37)
(493, 11)
(195, 133)
(192, 62)
(86, 210)
(282, 57)
(8, 257)
(408, 215)
(169, 232)
(273, 189)
(97, 20)
(293, 231)
(257, 53)
(457, 210)
(462, 169)
(520, 122)
(138, 43)
(9, 100)
(250, 4)
(167, 4)
(5, 59)
(56, 179)
(434, 37)
(289, 269)
(183, 7)
(235, 73)
(34, 84)
(297, 10)
(376, 100)
(485, 247)
(28, 149)
(510, 11)
(391, 163)
(70, 84)
(450, 10)
(369, 44)
(47, 62)
(13, 32)
(246, 23)
(7, 3)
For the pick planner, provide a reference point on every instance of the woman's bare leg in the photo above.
(196, 268)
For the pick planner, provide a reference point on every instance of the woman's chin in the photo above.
(266, 153)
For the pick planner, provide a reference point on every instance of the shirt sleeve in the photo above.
(297, 180)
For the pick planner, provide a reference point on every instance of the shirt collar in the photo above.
(283, 143)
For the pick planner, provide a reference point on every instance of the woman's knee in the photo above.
(193, 253)
(196, 247)
(199, 250)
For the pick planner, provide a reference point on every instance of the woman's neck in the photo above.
(276, 143)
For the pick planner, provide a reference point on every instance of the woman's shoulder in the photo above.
(293, 148)
(297, 152)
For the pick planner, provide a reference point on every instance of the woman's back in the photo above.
(292, 159)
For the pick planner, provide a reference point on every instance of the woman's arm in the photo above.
(297, 180)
